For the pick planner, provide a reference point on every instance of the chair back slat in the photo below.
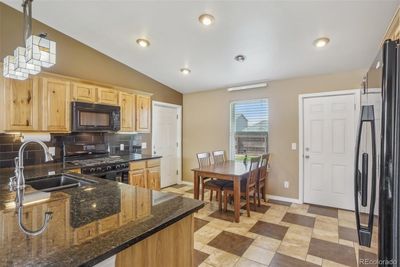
(253, 174)
(203, 159)
(264, 167)
(219, 156)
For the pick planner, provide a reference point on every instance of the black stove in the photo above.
(95, 160)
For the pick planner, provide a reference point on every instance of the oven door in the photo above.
(88, 117)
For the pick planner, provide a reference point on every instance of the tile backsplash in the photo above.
(10, 144)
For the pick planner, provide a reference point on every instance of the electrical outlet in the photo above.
(286, 184)
(294, 146)
(121, 147)
(52, 150)
(144, 145)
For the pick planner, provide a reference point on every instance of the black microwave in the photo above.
(87, 117)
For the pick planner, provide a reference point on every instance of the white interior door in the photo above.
(329, 124)
(166, 141)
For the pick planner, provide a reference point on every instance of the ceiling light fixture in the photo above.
(246, 87)
(206, 19)
(240, 58)
(321, 42)
(185, 71)
(143, 42)
(38, 51)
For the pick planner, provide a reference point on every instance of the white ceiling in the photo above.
(275, 36)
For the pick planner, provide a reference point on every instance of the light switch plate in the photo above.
(52, 150)
(286, 184)
(294, 146)
(144, 145)
(121, 147)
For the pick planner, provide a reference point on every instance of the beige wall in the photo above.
(206, 123)
(78, 60)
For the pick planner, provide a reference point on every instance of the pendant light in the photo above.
(38, 51)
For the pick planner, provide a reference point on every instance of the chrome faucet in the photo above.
(17, 183)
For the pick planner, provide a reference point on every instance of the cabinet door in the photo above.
(127, 104)
(56, 105)
(21, 105)
(83, 92)
(138, 178)
(128, 206)
(143, 113)
(153, 178)
(107, 96)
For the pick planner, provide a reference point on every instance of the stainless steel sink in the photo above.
(58, 182)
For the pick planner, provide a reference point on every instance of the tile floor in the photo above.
(277, 234)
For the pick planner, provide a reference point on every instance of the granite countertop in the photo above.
(89, 223)
(41, 170)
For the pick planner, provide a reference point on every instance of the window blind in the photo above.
(249, 128)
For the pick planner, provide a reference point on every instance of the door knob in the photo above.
(307, 156)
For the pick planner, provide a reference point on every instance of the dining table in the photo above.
(229, 171)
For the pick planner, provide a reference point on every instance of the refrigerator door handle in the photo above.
(361, 177)
(364, 180)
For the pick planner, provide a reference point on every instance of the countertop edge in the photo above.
(133, 241)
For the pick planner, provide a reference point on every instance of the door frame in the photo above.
(179, 133)
(302, 97)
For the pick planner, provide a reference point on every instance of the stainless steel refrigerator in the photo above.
(376, 176)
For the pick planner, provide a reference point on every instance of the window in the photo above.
(249, 128)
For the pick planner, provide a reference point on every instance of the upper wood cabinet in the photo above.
(107, 96)
(21, 104)
(143, 113)
(56, 105)
(127, 104)
(393, 31)
(83, 92)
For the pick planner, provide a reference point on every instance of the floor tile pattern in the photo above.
(277, 234)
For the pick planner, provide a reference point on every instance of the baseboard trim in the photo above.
(286, 199)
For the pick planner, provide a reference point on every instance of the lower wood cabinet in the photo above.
(145, 173)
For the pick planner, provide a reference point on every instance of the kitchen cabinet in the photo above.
(145, 173)
(21, 105)
(393, 31)
(127, 105)
(138, 178)
(83, 92)
(153, 178)
(143, 113)
(107, 96)
(55, 105)
(85, 233)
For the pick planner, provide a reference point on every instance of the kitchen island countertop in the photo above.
(90, 223)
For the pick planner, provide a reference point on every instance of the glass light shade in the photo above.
(9, 69)
(40, 51)
(21, 65)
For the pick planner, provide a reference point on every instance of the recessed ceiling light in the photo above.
(143, 42)
(321, 42)
(240, 58)
(206, 19)
(185, 71)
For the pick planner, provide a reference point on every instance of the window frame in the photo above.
(231, 139)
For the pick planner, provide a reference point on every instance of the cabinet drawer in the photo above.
(85, 233)
(108, 223)
(107, 96)
(153, 163)
(137, 165)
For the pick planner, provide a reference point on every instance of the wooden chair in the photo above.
(263, 174)
(247, 187)
(208, 182)
(219, 156)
